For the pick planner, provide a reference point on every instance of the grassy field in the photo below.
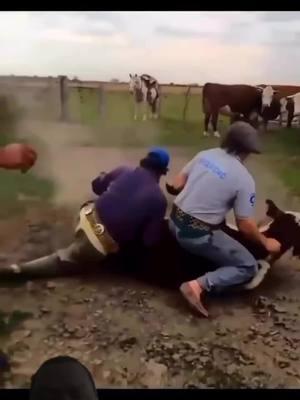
(114, 126)
(17, 190)
(282, 151)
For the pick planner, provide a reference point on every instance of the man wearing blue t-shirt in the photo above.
(210, 185)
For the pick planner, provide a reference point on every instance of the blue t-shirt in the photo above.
(217, 182)
(131, 204)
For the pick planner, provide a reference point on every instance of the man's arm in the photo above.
(244, 205)
(178, 183)
(249, 228)
(154, 227)
(101, 183)
(244, 210)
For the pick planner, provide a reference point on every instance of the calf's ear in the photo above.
(272, 210)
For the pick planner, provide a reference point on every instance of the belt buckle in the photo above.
(89, 210)
(99, 229)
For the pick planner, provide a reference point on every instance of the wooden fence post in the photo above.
(101, 97)
(186, 103)
(63, 91)
(80, 95)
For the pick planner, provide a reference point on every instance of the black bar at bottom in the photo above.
(174, 394)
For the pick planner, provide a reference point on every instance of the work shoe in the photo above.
(63, 378)
(263, 268)
(192, 292)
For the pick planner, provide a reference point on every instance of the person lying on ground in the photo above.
(130, 206)
(17, 156)
(209, 186)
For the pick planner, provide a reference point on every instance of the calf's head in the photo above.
(285, 227)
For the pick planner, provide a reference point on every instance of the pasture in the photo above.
(114, 127)
(127, 333)
(18, 190)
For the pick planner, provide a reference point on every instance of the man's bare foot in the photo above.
(192, 292)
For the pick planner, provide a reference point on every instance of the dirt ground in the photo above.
(127, 333)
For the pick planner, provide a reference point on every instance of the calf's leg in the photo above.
(289, 119)
(214, 124)
(206, 123)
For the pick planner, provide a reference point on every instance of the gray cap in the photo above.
(242, 137)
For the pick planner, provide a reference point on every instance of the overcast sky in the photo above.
(187, 47)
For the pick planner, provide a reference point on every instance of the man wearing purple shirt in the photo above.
(130, 207)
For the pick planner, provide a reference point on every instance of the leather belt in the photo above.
(189, 221)
(109, 244)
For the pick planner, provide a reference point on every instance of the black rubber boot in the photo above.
(63, 378)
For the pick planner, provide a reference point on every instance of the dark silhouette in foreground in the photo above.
(63, 378)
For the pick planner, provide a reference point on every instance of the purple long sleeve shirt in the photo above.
(131, 205)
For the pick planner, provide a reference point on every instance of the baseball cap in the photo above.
(162, 156)
(244, 136)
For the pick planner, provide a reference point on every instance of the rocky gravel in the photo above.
(133, 335)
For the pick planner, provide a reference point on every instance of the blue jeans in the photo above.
(237, 265)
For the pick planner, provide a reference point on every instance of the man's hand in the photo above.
(249, 228)
(17, 156)
(272, 245)
(178, 183)
(171, 190)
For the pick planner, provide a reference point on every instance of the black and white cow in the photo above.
(145, 90)
(290, 108)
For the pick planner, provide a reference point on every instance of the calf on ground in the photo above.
(168, 264)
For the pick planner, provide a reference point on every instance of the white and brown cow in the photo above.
(290, 108)
(239, 102)
(145, 90)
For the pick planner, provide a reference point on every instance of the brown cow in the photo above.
(238, 101)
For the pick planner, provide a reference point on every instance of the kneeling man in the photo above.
(210, 185)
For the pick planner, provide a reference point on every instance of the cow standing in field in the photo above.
(239, 102)
(145, 90)
(290, 107)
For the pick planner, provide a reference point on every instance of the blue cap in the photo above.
(161, 154)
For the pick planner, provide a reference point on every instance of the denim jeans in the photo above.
(236, 263)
